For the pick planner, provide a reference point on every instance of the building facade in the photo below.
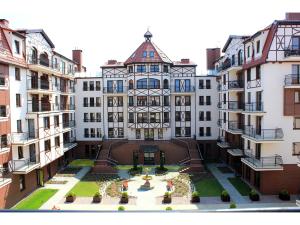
(258, 106)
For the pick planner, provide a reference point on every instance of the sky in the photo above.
(113, 29)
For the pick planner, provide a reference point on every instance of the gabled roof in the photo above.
(148, 46)
(230, 38)
(41, 31)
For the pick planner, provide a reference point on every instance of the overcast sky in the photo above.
(113, 29)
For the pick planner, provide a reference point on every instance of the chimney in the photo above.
(292, 16)
(212, 54)
(77, 57)
(4, 23)
(111, 61)
(185, 61)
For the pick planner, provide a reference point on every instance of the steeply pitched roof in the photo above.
(148, 46)
(26, 31)
(230, 38)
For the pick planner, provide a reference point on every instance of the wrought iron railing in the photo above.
(292, 79)
(235, 84)
(263, 134)
(291, 52)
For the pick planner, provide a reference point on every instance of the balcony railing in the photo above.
(92, 120)
(291, 52)
(67, 107)
(182, 89)
(292, 79)
(263, 134)
(69, 124)
(235, 126)
(253, 83)
(235, 84)
(254, 107)
(24, 136)
(221, 142)
(22, 165)
(113, 90)
(39, 106)
(235, 105)
(39, 84)
(268, 162)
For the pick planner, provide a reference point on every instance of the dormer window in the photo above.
(145, 54)
(248, 52)
(257, 46)
(130, 69)
(152, 54)
(17, 47)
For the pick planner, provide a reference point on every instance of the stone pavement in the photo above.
(63, 189)
(222, 178)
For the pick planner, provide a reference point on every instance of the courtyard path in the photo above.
(222, 178)
(63, 189)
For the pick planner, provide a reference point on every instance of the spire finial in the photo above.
(148, 35)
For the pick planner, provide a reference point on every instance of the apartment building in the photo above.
(40, 107)
(144, 99)
(258, 88)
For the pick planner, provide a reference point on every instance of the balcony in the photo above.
(67, 107)
(69, 144)
(222, 143)
(182, 89)
(256, 83)
(291, 52)
(69, 124)
(66, 90)
(235, 127)
(236, 152)
(115, 90)
(235, 106)
(4, 146)
(263, 163)
(39, 107)
(24, 138)
(229, 64)
(254, 108)
(292, 81)
(235, 85)
(263, 135)
(24, 166)
(38, 85)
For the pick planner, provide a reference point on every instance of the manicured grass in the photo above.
(208, 187)
(36, 199)
(240, 185)
(81, 163)
(171, 168)
(124, 167)
(85, 188)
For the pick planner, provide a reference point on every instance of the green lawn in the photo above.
(240, 185)
(85, 188)
(124, 167)
(82, 163)
(208, 187)
(36, 199)
(171, 168)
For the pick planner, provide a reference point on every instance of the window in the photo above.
(57, 141)
(224, 117)
(160, 133)
(208, 131)
(138, 133)
(47, 144)
(296, 122)
(20, 152)
(166, 69)
(187, 100)
(144, 54)
(177, 116)
(201, 131)
(110, 102)
(120, 132)
(130, 69)
(142, 118)
(154, 83)
(85, 85)
(130, 101)
(86, 133)
(92, 86)
(142, 84)
(18, 100)
(46, 122)
(2, 80)
(110, 117)
(240, 58)
(201, 100)
(257, 46)
(296, 43)
(224, 98)
(166, 117)
(92, 102)
(120, 117)
(154, 117)
(151, 54)
(98, 117)
(296, 148)
(22, 182)
(85, 102)
(201, 116)
(19, 126)
(187, 116)
(154, 68)
(187, 131)
(17, 73)
(208, 116)
(56, 121)
(130, 84)
(297, 96)
(141, 100)
(98, 87)
(141, 68)
(131, 117)
(99, 132)
(187, 85)
(177, 131)
(233, 60)
(154, 100)
(3, 111)
(17, 47)
(92, 117)
(93, 133)
(248, 52)
(257, 68)
(120, 101)
(208, 102)
(98, 101)
(166, 101)
(85, 117)
(178, 100)
(119, 86)
(248, 74)
(201, 84)
(110, 86)
(208, 84)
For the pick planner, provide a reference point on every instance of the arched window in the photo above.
(154, 83)
(240, 57)
(44, 59)
(131, 84)
(166, 84)
(141, 83)
(33, 55)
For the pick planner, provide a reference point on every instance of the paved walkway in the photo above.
(63, 189)
(222, 178)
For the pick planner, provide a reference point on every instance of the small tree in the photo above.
(162, 160)
(232, 206)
